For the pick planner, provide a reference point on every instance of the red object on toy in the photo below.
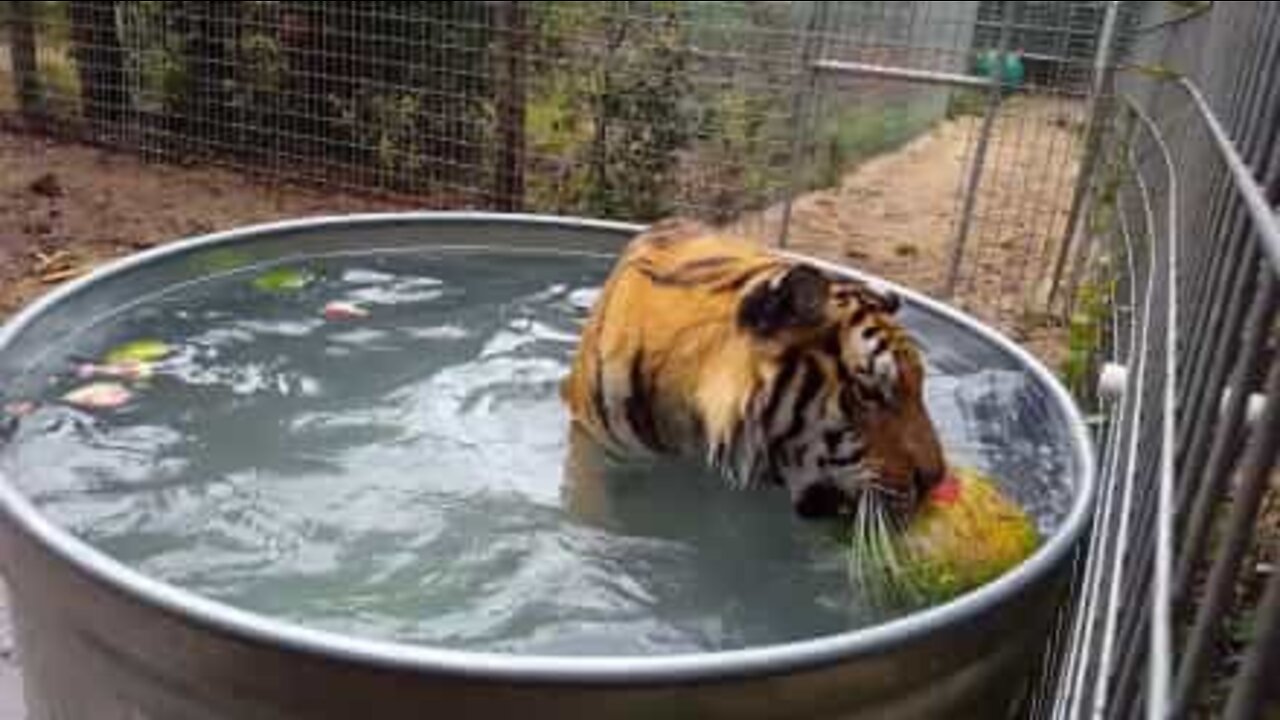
(947, 491)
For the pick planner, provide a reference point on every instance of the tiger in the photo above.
(765, 368)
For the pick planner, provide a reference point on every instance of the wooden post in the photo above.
(22, 49)
(210, 62)
(99, 64)
(510, 23)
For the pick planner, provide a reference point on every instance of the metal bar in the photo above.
(1226, 439)
(980, 152)
(22, 55)
(1262, 662)
(1206, 387)
(1175, 20)
(1162, 624)
(510, 17)
(1268, 226)
(801, 111)
(926, 77)
(1106, 655)
(1206, 384)
(1205, 396)
(1064, 29)
(1130, 679)
(1258, 126)
(1207, 433)
(1254, 475)
(1106, 536)
(1220, 315)
(1151, 475)
(1208, 224)
(1098, 109)
(1220, 212)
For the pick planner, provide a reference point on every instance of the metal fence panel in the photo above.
(1188, 625)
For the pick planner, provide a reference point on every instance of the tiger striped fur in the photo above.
(768, 369)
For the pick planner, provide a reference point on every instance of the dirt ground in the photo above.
(65, 208)
(895, 216)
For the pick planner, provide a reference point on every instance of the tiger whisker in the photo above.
(858, 551)
(884, 568)
(892, 526)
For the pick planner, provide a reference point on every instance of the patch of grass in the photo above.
(859, 133)
(1085, 336)
(8, 91)
(559, 134)
(966, 103)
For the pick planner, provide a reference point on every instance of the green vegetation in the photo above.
(631, 110)
(1092, 306)
(857, 133)
(1085, 336)
(966, 103)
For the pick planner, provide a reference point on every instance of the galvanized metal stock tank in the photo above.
(100, 641)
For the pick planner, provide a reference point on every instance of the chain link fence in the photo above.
(741, 113)
(618, 109)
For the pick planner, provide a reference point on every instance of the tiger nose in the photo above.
(927, 478)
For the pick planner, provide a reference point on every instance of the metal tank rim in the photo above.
(593, 670)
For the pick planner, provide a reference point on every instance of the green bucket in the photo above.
(1012, 71)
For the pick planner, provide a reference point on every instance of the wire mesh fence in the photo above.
(1179, 600)
(627, 110)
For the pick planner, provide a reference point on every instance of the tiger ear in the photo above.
(892, 302)
(796, 298)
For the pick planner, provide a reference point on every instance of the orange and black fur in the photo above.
(770, 370)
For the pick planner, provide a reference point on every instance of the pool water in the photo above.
(399, 476)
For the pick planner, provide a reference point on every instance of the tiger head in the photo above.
(838, 405)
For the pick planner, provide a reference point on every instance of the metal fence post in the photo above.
(1099, 110)
(802, 115)
(508, 195)
(994, 99)
(22, 51)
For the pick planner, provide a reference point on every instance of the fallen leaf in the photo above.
(147, 350)
(282, 280)
(124, 370)
(339, 310)
(48, 261)
(58, 276)
(21, 408)
(100, 395)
